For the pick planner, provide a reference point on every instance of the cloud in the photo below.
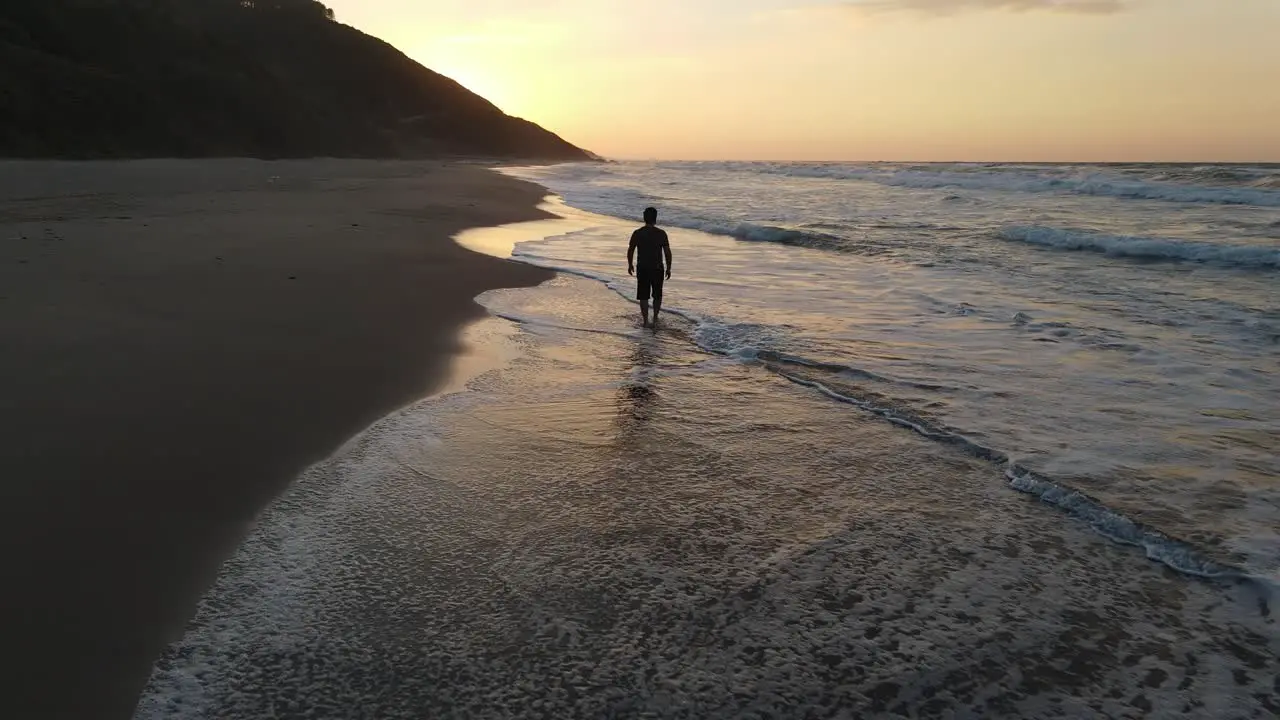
(948, 7)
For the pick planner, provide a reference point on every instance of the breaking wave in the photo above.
(1250, 256)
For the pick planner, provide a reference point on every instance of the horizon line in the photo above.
(949, 162)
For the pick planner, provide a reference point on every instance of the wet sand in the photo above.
(617, 524)
(180, 340)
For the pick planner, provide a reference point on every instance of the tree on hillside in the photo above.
(309, 8)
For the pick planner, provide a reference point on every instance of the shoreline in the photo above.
(494, 549)
(187, 338)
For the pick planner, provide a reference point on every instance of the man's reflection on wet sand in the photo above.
(636, 397)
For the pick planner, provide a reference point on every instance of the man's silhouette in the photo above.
(651, 242)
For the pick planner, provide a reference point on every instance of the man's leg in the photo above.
(657, 298)
(642, 294)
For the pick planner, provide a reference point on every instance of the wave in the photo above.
(757, 233)
(898, 417)
(1249, 256)
(767, 233)
(621, 203)
(1025, 179)
(1228, 175)
(1106, 522)
(808, 235)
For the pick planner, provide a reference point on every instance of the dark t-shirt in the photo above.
(648, 242)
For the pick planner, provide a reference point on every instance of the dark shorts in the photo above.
(649, 281)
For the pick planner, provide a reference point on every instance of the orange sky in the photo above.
(1068, 80)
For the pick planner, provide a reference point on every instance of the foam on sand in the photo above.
(611, 526)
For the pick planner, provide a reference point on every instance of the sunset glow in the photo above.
(1063, 80)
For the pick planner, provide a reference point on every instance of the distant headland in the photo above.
(219, 78)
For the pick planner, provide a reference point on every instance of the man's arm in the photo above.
(666, 250)
(631, 254)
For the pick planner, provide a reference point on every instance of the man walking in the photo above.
(651, 242)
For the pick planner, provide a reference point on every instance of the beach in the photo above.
(767, 507)
(614, 524)
(940, 377)
(417, 457)
(181, 339)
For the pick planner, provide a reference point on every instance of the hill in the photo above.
(256, 78)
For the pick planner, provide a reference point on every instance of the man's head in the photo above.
(650, 216)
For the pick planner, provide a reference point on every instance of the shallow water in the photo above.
(1112, 329)
(799, 498)
(618, 523)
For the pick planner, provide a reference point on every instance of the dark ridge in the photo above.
(216, 78)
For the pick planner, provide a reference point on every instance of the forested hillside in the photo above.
(259, 78)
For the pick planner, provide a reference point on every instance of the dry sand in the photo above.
(180, 339)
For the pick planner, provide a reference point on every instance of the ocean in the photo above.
(1108, 329)
(939, 440)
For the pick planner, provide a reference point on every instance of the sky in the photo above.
(980, 80)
